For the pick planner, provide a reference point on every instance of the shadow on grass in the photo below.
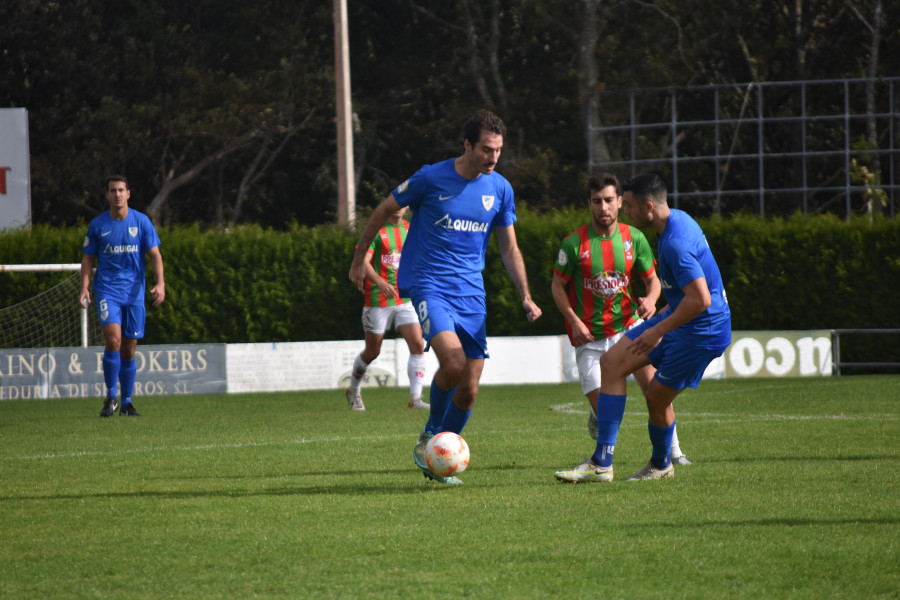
(774, 522)
(793, 458)
(415, 485)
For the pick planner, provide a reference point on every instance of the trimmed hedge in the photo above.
(255, 285)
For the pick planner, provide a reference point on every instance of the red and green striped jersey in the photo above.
(386, 248)
(598, 271)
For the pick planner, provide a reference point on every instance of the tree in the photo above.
(221, 111)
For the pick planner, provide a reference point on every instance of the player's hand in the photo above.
(645, 342)
(84, 299)
(158, 294)
(580, 333)
(645, 309)
(386, 289)
(532, 312)
(357, 274)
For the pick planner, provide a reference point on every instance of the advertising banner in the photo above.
(241, 368)
(756, 354)
(15, 169)
(40, 373)
(779, 354)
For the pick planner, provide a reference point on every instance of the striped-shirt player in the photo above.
(592, 287)
(384, 307)
(598, 270)
(385, 254)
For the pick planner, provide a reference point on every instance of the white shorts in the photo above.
(587, 357)
(378, 319)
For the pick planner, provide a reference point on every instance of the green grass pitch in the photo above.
(793, 494)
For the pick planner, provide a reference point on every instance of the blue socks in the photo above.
(111, 366)
(661, 438)
(455, 418)
(610, 410)
(439, 400)
(444, 415)
(116, 370)
(127, 374)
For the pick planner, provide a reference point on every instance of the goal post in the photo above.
(51, 318)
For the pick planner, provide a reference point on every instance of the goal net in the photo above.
(52, 318)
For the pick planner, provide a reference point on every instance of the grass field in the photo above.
(793, 494)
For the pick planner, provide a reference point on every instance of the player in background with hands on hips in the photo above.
(689, 333)
(384, 306)
(592, 289)
(456, 204)
(118, 241)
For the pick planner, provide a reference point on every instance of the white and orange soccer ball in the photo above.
(447, 454)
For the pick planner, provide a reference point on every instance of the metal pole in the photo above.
(760, 132)
(590, 129)
(847, 148)
(632, 117)
(346, 184)
(803, 144)
(892, 162)
(835, 353)
(718, 174)
(674, 126)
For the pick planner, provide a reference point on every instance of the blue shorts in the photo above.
(131, 317)
(464, 315)
(680, 359)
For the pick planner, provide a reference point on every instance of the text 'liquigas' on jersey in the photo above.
(598, 272)
(120, 248)
(452, 221)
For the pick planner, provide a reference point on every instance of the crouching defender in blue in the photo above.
(680, 341)
(118, 240)
(456, 205)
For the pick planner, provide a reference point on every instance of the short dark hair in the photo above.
(483, 120)
(648, 185)
(117, 178)
(598, 182)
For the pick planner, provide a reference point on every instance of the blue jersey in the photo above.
(120, 247)
(684, 256)
(450, 228)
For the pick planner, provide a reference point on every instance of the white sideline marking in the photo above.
(580, 408)
(182, 448)
(696, 419)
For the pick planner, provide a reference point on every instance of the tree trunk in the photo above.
(598, 152)
(172, 182)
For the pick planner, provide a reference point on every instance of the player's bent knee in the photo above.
(613, 366)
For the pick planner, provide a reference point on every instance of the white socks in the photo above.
(359, 371)
(415, 368)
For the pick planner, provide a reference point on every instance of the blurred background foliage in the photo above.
(222, 112)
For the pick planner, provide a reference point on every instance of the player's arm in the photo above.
(647, 304)
(358, 267)
(87, 269)
(386, 289)
(696, 300)
(158, 291)
(580, 332)
(515, 266)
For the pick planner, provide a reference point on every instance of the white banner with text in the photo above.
(289, 366)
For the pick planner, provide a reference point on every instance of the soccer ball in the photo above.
(447, 454)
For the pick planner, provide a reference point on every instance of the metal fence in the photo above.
(888, 356)
(772, 148)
